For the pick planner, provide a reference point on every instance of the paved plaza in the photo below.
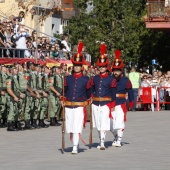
(146, 146)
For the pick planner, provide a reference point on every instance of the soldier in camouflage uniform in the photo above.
(15, 94)
(3, 96)
(23, 77)
(35, 96)
(43, 89)
(55, 93)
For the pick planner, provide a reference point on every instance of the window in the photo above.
(65, 23)
(67, 5)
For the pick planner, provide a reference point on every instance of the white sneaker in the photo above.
(98, 147)
(118, 144)
(114, 143)
(75, 150)
(101, 146)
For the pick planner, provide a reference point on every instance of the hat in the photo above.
(102, 59)
(78, 58)
(117, 63)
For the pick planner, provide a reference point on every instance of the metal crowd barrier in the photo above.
(146, 96)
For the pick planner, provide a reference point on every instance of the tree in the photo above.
(115, 23)
(120, 24)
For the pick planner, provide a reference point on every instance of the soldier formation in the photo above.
(29, 90)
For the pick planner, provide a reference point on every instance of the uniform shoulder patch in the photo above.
(8, 83)
(50, 80)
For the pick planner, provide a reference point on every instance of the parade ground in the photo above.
(146, 146)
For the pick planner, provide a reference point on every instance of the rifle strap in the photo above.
(55, 81)
(43, 82)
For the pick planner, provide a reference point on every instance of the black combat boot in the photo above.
(11, 126)
(4, 122)
(52, 121)
(1, 124)
(42, 124)
(27, 125)
(18, 126)
(34, 124)
(56, 121)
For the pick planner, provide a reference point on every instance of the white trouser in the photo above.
(101, 118)
(117, 123)
(74, 119)
(152, 104)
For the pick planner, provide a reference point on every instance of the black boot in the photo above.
(1, 124)
(56, 121)
(18, 125)
(52, 121)
(42, 124)
(11, 127)
(4, 122)
(34, 124)
(27, 125)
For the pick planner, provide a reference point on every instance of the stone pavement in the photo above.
(146, 146)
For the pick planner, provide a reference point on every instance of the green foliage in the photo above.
(120, 24)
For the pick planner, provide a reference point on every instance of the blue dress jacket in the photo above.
(104, 86)
(124, 86)
(77, 88)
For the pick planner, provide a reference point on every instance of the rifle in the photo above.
(63, 123)
(91, 127)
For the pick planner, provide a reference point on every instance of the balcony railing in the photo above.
(158, 11)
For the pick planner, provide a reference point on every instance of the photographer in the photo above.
(21, 41)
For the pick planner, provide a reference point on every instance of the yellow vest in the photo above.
(135, 79)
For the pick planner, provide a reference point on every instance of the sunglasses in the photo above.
(47, 46)
(145, 78)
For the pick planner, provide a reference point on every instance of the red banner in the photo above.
(146, 95)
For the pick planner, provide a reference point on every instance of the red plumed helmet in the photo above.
(117, 63)
(78, 57)
(102, 59)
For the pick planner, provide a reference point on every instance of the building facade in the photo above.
(47, 16)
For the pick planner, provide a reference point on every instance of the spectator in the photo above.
(21, 17)
(3, 41)
(144, 83)
(54, 52)
(167, 84)
(47, 50)
(135, 79)
(65, 42)
(21, 41)
(159, 73)
(9, 43)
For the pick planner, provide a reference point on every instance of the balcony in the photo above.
(158, 15)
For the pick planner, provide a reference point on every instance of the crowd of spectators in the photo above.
(16, 40)
(156, 80)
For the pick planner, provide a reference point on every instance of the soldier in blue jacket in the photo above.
(104, 97)
(124, 87)
(77, 92)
